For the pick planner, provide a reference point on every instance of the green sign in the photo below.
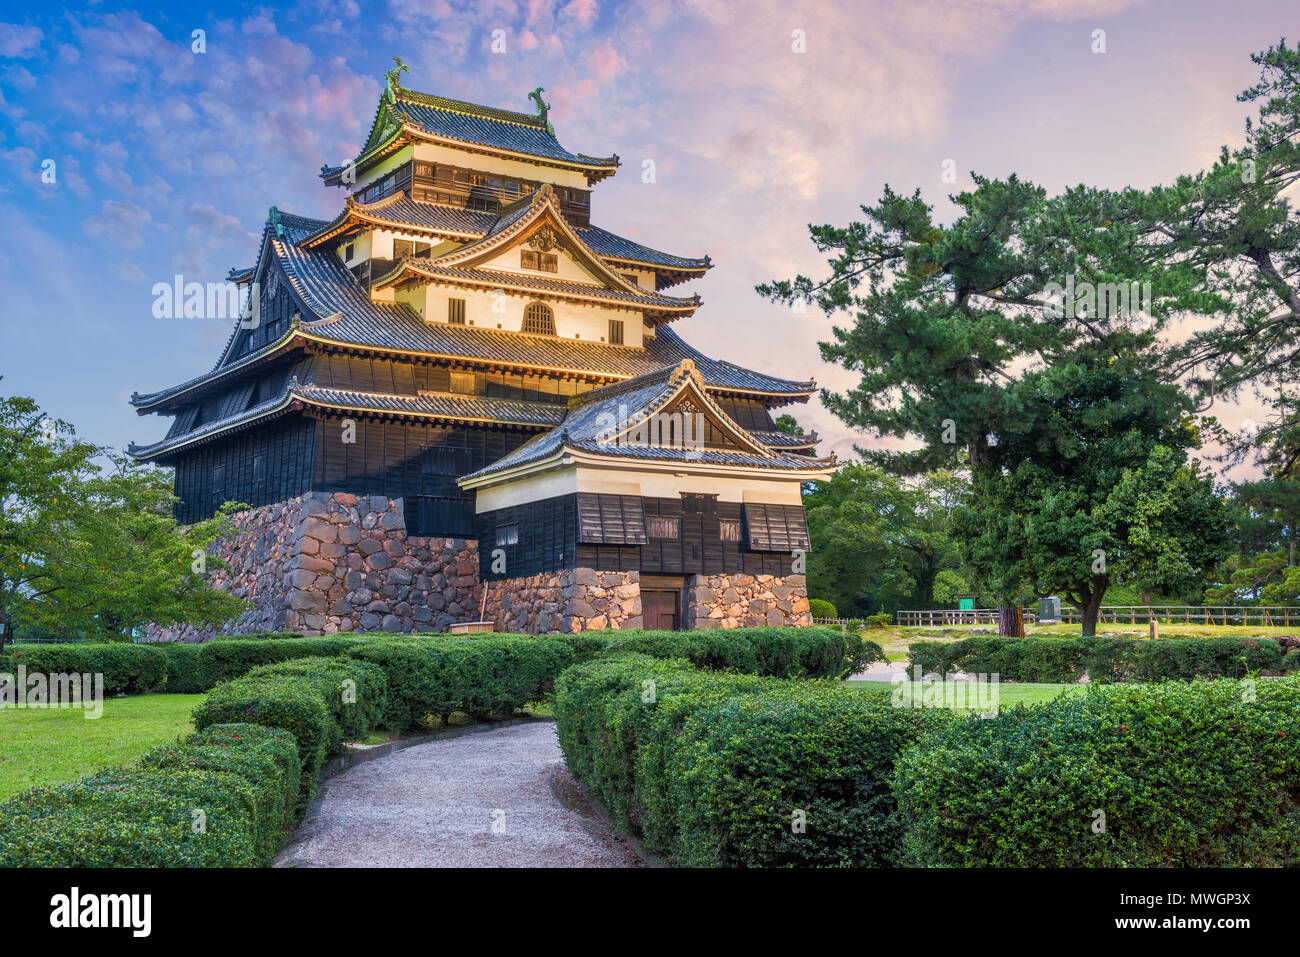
(966, 604)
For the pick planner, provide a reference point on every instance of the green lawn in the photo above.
(52, 745)
(1010, 694)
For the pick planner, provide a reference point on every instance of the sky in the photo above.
(760, 117)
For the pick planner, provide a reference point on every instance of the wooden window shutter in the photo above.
(775, 528)
(611, 519)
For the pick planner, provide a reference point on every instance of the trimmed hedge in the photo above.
(481, 676)
(214, 800)
(1186, 775)
(223, 659)
(779, 652)
(821, 608)
(305, 698)
(711, 769)
(265, 757)
(259, 635)
(127, 668)
(1105, 660)
(184, 667)
(355, 709)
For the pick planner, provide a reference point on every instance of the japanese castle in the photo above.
(461, 398)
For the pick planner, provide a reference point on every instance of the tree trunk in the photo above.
(1091, 609)
(1011, 620)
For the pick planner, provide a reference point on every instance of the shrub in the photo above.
(135, 817)
(883, 620)
(597, 746)
(258, 635)
(1186, 774)
(184, 668)
(482, 676)
(267, 758)
(127, 668)
(355, 708)
(780, 652)
(291, 703)
(1291, 661)
(821, 608)
(226, 658)
(710, 768)
(1058, 660)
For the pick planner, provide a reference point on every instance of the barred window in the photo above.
(259, 467)
(508, 534)
(539, 319)
(729, 529)
(663, 526)
(616, 331)
(456, 312)
(219, 479)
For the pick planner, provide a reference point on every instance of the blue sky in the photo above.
(166, 160)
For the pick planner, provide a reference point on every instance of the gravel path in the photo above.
(497, 798)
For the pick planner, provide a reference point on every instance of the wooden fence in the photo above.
(1262, 615)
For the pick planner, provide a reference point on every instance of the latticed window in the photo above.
(539, 319)
(456, 312)
(616, 331)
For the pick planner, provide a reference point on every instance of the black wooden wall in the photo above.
(416, 462)
(549, 539)
(265, 465)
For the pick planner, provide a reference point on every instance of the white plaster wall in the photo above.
(489, 309)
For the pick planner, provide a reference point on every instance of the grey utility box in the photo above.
(1049, 610)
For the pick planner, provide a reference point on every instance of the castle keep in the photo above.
(460, 396)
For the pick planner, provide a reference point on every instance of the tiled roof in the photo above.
(440, 404)
(445, 119)
(211, 429)
(486, 126)
(784, 440)
(492, 279)
(434, 405)
(399, 210)
(330, 290)
(351, 317)
(608, 244)
(587, 428)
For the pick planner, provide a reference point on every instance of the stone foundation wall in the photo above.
(738, 600)
(333, 562)
(568, 601)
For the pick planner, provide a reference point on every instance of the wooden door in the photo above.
(659, 610)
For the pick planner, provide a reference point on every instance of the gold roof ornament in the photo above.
(395, 77)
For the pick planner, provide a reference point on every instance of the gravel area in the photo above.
(880, 671)
(495, 798)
